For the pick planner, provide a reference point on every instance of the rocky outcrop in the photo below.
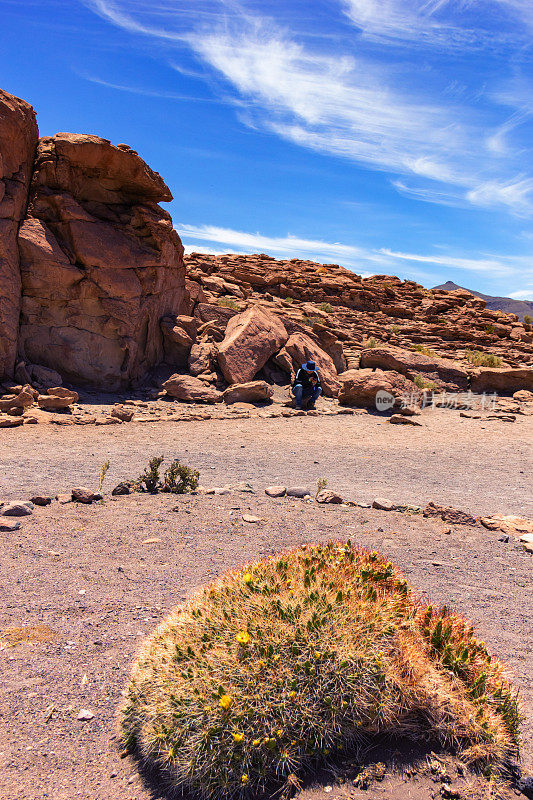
(502, 381)
(410, 364)
(100, 261)
(251, 339)
(298, 349)
(18, 140)
(359, 387)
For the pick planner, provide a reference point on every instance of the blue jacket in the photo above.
(304, 378)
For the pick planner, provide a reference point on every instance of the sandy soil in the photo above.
(87, 576)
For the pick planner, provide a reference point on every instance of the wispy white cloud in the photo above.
(281, 246)
(437, 23)
(496, 265)
(351, 106)
(144, 91)
(523, 294)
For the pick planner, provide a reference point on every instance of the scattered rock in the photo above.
(63, 499)
(523, 396)
(41, 500)
(449, 514)
(525, 784)
(383, 504)
(84, 715)
(153, 539)
(514, 526)
(122, 488)
(399, 419)
(124, 414)
(80, 494)
(359, 387)
(275, 491)
(297, 491)
(57, 398)
(10, 422)
(327, 496)
(17, 509)
(251, 392)
(191, 389)
(251, 518)
(8, 527)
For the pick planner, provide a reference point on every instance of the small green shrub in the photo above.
(480, 359)
(288, 300)
(528, 319)
(177, 479)
(310, 319)
(227, 302)
(149, 480)
(327, 307)
(394, 329)
(420, 348)
(285, 662)
(320, 484)
(424, 383)
(180, 479)
(489, 328)
(370, 344)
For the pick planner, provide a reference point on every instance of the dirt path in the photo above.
(481, 466)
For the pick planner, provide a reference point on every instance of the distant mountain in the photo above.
(507, 304)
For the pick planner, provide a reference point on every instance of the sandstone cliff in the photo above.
(18, 140)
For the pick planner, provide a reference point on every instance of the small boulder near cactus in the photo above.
(284, 662)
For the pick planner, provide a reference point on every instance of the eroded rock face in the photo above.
(100, 262)
(251, 339)
(410, 364)
(503, 381)
(18, 140)
(358, 387)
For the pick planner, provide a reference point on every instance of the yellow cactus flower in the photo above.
(292, 695)
(256, 742)
(225, 701)
(237, 737)
(279, 732)
(277, 657)
(243, 637)
(244, 779)
(261, 664)
(317, 654)
(248, 578)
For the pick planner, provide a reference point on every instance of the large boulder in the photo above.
(251, 392)
(190, 390)
(179, 334)
(100, 262)
(252, 337)
(503, 381)
(359, 387)
(410, 363)
(300, 348)
(18, 140)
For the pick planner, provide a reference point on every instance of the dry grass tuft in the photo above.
(33, 634)
(287, 661)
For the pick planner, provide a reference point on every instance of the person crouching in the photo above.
(306, 386)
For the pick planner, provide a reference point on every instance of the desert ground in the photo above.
(86, 583)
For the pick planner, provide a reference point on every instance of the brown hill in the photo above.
(509, 305)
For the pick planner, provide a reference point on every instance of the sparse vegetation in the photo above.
(320, 484)
(327, 307)
(177, 479)
(370, 344)
(426, 351)
(285, 662)
(227, 302)
(102, 474)
(480, 359)
(528, 319)
(310, 319)
(424, 383)
(180, 479)
(489, 328)
(395, 329)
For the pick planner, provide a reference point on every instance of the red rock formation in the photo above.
(18, 140)
(100, 261)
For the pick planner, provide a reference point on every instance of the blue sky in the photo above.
(390, 136)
